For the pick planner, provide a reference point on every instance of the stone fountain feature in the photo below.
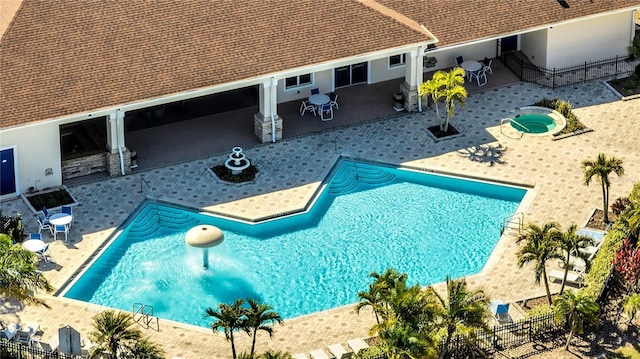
(237, 161)
(204, 236)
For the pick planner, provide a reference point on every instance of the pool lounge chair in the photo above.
(339, 351)
(572, 277)
(319, 354)
(300, 356)
(501, 311)
(11, 330)
(357, 345)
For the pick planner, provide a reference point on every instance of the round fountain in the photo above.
(237, 161)
(205, 237)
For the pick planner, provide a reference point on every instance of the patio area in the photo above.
(551, 167)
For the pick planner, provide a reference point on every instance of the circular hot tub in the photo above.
(536, 120)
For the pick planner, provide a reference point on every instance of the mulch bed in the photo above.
(596, 221)
(435, 130)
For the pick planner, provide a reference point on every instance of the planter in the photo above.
(52, 198)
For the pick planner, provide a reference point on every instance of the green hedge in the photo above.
(602, 263)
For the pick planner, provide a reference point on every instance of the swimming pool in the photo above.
(367, 218)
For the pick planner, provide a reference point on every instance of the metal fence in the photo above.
(559, 77)
(12, 350)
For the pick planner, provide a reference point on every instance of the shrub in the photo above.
(565, 109)
(539, 311)
(12, 226)
(620, 205)
(603, 262)
(629, 83)
(634, 195)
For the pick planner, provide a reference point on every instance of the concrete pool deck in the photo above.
(291, 170)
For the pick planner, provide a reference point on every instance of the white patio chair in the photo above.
(60, 229)
(307, 106)
(480, 76)
(486, 64)
(326, 109)
(44, 225)
(333, 100)
(68, 210)
(44, 253)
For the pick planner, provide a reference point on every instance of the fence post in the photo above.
(553, 79)
(616, 65)
(585, 72)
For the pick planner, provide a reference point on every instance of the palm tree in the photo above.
(275, 355)
(463, 311)
(19, 275)
(433, 88)
(453, 92)
(146, 349)
(575, 311)
(570, 242)
(601, 168)
(229, 318)
(373, 299)
(114, 333)
(260, 317)
(631, 305)
(402, 342)
(540, 246)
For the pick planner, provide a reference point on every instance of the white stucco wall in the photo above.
(447, 57)
(534, 45)
(37, 147)
(589, 40)
(380, 70)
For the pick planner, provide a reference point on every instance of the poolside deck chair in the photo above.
(357, 345)
(61, 229)
(300, 356)
(339, 351)
(11, 330)
(572, 277)
(501, 311)
(575, 263)
(319, 354)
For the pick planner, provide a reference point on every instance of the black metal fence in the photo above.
(504, 336)
(12, 350)
(559, 77)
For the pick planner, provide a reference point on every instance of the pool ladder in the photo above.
(516, 219)
(144, 314)
(507, 120)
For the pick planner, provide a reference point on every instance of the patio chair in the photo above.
(501, 311)
(44, 225)
(315, 91)
(60, 229)
(326, 109)
(35, 334)
(459, 60)
(333, 100)
(480, 76)
(68, 210)
(44, 253)
(486, 64)
(45, 213)
(11, 330)
(35, 236)
(307, 106)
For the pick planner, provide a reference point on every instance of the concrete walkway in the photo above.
(291, 170)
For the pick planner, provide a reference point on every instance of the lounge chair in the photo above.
(572, 277)
(339, 351)
(357, 345)
(575, 263)
(11, 330)
(300, 356)
(319, 354)
(501, 311)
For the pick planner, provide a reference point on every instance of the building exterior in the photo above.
(73, 73)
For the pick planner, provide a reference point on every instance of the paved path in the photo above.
(291, 170)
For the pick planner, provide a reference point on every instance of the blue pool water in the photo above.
(367, 218)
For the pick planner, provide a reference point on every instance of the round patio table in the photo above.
(60, 219)
(33, 245)
(319, 99)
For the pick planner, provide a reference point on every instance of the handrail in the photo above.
(145, 313)
(509, 120)
(523, 126)
(516, 218)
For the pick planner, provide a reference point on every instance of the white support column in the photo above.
(267, 123)
(112, 134)
(412, 79)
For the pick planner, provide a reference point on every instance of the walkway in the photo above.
(292, 169)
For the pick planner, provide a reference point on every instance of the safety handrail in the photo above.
(509, 120)
(145, 314)
(517, 219)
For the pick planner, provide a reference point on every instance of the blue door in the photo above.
(7, 172)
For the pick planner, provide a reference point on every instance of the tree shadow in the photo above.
(484, 153)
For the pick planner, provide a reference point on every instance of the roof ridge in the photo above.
(399, 17)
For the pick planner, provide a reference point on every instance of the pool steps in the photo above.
(351, 176)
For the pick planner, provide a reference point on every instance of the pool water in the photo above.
(367, 218)
(533, 123)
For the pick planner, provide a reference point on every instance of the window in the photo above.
(397, 60)
(297, 81)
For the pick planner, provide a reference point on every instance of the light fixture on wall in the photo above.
(48, 172)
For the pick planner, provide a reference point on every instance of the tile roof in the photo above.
(60, 58)
(459, 21)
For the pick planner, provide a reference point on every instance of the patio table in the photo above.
(471, 66)
(319, 99)
(60, 219)
(33, 245)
